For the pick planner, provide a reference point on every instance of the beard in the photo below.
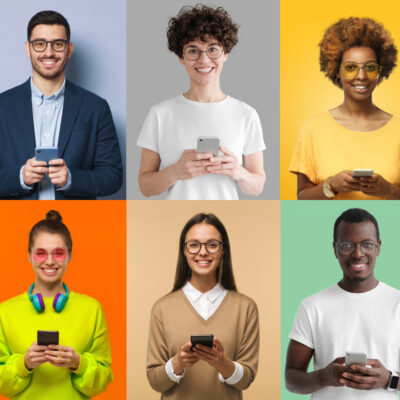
(61, 64)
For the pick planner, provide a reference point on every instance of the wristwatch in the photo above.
(327, 190)
(393, 381)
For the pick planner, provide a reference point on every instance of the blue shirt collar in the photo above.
(36, 93)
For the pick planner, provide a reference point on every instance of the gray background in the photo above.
(251, 74)
(98, 31)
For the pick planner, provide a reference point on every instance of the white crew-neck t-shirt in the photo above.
(174, 125)
(334, 321)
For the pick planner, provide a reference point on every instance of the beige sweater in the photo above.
(173, 320)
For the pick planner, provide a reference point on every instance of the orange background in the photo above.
(97, 267)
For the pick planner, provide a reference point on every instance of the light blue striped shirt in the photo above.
(47, 115)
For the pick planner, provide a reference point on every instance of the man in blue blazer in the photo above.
(49, 111)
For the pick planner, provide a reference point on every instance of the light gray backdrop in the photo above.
(251, 73)
(98, 31)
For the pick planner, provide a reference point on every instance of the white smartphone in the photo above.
(355, 358)
(360, 173)
(208, 144)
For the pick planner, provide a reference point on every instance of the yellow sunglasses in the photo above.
(351, 69)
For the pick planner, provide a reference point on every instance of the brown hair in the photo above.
(183, 271)
(52, 224)
(356, 32)
(201, 22)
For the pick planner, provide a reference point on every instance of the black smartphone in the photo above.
(44, 338)
(205, 340)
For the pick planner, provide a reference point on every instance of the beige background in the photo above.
(153, 235)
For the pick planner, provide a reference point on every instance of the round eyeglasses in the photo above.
(212, 246)
(350, 70)
(192, 53)
(40, 45)
(346, 247)
(58, 254)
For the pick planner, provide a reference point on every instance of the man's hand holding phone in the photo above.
(34, 171)
(373, 375)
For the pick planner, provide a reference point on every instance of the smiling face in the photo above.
(49, 257)
(48, 64)
(204, 263)
(360, 87)
(205, 70)
(358, 266)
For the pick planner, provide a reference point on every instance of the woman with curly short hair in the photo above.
(202, 144)
(352, 151)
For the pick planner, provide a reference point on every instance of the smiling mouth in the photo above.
(48, 61)
(49, 271)
(358, 267)
(203, 263)
(361, 88)
(204, 70)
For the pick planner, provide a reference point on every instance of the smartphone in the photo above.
(208, 144)
(44, 338)
(205, 340)
(360, 173)
(355, 358)
(46, 153)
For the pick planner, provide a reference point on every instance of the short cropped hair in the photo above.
(356, 32)
(201, 22)
(48, 18)
(355, 215)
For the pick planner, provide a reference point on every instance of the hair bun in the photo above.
(54, 217)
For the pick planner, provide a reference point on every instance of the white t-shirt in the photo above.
(334, 321)
(174, 125)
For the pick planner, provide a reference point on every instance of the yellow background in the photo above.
(305, 91)
(153, 234)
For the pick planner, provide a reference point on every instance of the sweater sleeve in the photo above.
(157, 354)
(14, 377)
(94, 372)
(247, 354)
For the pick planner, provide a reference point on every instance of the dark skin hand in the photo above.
(361, 377)
(365, 378)
(343, 182)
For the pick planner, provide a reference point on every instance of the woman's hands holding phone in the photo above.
(216, 358)
(35, 357)
(62, 356)
(185, 358)
(56, 355)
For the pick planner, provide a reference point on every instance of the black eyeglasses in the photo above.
(212, 246)
(40, 45)
(346, 247)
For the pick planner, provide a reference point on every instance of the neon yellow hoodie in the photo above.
(81, 325)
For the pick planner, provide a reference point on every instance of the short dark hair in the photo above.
(48, 18)
(52, 224)
(201, 22)
(355, 215)
(183, 271)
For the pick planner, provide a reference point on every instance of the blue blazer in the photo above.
(87, 142)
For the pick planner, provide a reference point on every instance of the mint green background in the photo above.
(308, 263)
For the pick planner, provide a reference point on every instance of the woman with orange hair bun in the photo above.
(353, 150)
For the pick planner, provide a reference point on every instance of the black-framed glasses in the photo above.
(212, 246)
(193, 53)
(347, 247)
(40, 45)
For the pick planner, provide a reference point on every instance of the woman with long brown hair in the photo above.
(203, 301)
